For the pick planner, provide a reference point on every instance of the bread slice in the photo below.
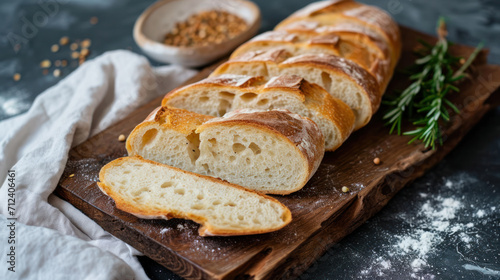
(317, 41)
(292, 43)
(336, 12)
(217, 95)
(150, 190)
(273, 152)
(342, 78)
(356, 43)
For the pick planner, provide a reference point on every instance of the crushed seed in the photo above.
(94, 20)
(85, 44)
(54, 48)
(64, 41)
(45, 63)
(73, 46)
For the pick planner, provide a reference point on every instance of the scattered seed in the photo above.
(45, 71)
(94, 20)
(84, 52)
(75, 55)
(71, 175)
(57, 63)
(54, 48)
(81, 60)
(64, 63)
(64, 41)
(17, 77)
(85, 44)
(376, 161)
(121, 138)
(462, 60)
(73, 46)
(57, 73)
(345, 189)
(45, 63)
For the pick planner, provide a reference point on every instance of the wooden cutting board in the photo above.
(322, 213)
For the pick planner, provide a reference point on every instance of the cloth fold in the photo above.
(36, 144)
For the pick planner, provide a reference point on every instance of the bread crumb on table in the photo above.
(64, 41)
(376, 161)
(45, 63)
(121, 138)
(54, 48)
(345, 189)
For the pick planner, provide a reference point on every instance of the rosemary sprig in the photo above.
(433, 76)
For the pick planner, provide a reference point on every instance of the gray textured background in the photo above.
(473, 168)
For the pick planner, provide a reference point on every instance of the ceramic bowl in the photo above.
(157, 20)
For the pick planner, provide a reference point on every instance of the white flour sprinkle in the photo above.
(437, 220)
(480, 213)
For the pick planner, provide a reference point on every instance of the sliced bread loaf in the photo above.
(217, 95)
(342, 78)
(273, 151)
(150, 190)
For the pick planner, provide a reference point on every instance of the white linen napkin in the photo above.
(99, 93)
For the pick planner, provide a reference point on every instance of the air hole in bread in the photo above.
(197, 207)
(212, 141)
(267, 169)
(200, 196)
(166, 185)
(126, 172)
(193, 146)
(248, 160)
(217, 202)
(226, 95)
(180, 191)
(203, 99)
(326, 80)
(224, 106)
(149, 136)
(262, 201)
(255, 148)
(230, 204)
(232, 158)
(238, 148)
(263, 102)
(247, 97)
(207, 169)
(241, 218)
(256, 221)
(140, 192)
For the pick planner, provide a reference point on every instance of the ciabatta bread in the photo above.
(342, 78)
(150, 190)
(217, 95)
(273, 152)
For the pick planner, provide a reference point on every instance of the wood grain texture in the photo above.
(322, 213)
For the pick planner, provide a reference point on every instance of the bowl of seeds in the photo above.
(193, 33)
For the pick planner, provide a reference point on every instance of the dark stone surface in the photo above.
(464, 245)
